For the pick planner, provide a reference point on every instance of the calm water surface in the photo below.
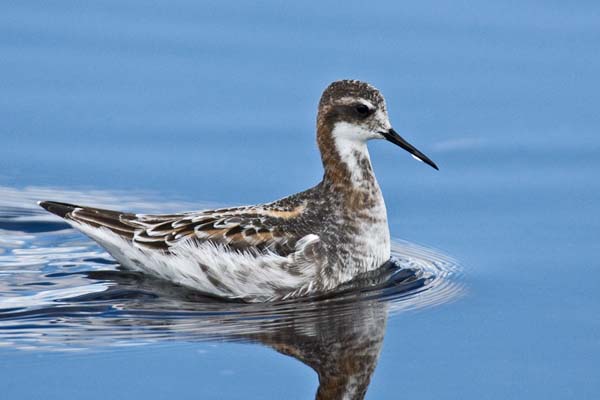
(173, 106)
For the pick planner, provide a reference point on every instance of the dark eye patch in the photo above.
(362, 110)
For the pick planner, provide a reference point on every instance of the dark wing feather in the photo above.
(96, 217)
(240, 229)
(245, 228)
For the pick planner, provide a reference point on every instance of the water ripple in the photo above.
(60, 291)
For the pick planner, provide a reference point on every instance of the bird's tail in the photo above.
(115, 221)
(55, 207)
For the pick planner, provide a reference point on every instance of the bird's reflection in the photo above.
(338, 336)
(342, 348)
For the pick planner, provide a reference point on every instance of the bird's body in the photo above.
(306, 243)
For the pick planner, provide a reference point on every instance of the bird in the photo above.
(305, 244)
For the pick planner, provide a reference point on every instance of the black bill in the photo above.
(393, 137)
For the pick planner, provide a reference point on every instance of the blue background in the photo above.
(216, 101)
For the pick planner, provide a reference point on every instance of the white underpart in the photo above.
(239, 274)
(374, 239)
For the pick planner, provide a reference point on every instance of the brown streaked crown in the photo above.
(350, 88)
(340, 102)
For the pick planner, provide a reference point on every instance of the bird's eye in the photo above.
(362, 110)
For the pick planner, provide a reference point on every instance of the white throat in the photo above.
(351, 144)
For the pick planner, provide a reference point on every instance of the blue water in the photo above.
(128, 103)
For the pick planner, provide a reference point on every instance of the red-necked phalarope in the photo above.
(306, 243)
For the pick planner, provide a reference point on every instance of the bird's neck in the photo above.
(349, 181)
(348, 169)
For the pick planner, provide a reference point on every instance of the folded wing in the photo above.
(244, 228)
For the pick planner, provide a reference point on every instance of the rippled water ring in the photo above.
(58, 289)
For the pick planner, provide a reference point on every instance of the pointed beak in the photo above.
(393, 137)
